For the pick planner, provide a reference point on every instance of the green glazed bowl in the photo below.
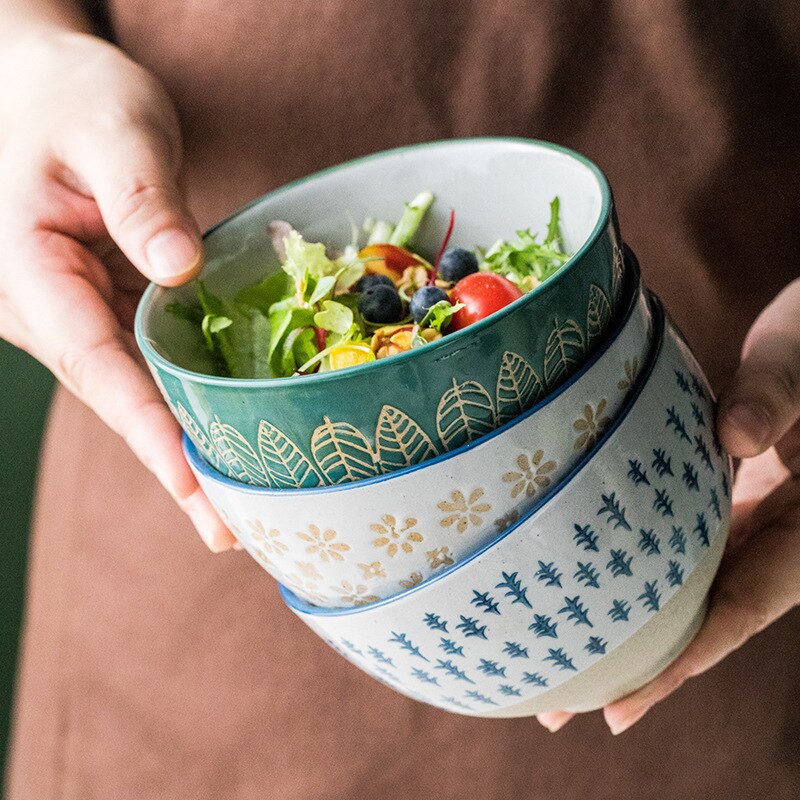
(356, 423)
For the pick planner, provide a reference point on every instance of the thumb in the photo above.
(132, 173)
(763, 401)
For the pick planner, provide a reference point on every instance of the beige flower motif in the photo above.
(591, 425)
(463, 512)
(440, 557)
(306, 589)
(414, 579)
(393, 537)
(355, 595)
(533, 474)
(268, 544)
(631, 371)
(372, 570)
(308, 570)
(506, 521)
(324, 544)
(263, 559)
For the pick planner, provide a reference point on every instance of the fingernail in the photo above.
(172, 253)
(210, 527)
(238, 546)
(617, 728)
(751, 421)
(555, 720)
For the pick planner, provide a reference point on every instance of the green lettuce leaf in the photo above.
(527, 257)
(282, 323)
(306, 258)
(439, 315)
(335, 317)
(267, 292)
(212, 324)
(323, 288)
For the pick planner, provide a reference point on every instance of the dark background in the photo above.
(25, 389)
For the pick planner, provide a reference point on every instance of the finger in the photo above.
(753, 506)
(554, 720)
(757, 583)
(88, 354)
(763, 401)
(131, 171)
(788, 448)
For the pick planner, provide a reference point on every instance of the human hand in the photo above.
(758, 581)
(90, 207)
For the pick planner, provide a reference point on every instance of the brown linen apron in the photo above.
(152, 669)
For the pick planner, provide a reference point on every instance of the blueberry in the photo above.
(380, 303)
(372, 280)
(456, 263)
(423, 299)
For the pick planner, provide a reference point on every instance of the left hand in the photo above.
(759, 578)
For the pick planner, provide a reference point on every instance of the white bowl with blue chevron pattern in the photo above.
(588, 596)
(355, 543)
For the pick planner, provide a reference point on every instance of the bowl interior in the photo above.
(495, 186)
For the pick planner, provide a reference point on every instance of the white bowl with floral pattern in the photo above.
(588, 596)
(355, 543)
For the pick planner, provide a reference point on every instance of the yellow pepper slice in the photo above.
(349, 355)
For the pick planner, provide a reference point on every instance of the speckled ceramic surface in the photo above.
(356, 543)
(360, 422)
(576, 578)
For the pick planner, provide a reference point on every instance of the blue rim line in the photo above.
(659, 332)
(146, 346)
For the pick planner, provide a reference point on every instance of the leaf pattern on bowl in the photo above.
(283, 460)
(240, 457)
(564, 352)
(598, 314)
(400, 442)
(518, 387)
(342, 452)
(465, 413)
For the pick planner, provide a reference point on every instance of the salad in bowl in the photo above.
(328, 310)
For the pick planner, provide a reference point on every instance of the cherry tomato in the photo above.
(482, 293)
(389, 259)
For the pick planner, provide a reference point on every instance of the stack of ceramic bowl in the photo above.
(522, 516)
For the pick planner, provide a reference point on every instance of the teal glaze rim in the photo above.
(201, 465)
(301, 606)
(152, 355)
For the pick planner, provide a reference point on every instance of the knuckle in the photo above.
(74, 365)
(112, 122)
(70, 367)
(783, 379)
(743, 616)
(136, 199)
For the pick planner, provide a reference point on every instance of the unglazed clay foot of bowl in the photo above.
(591, 593)
(349, 424)
(359, 542)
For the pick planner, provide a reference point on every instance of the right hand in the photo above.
(90, 207)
